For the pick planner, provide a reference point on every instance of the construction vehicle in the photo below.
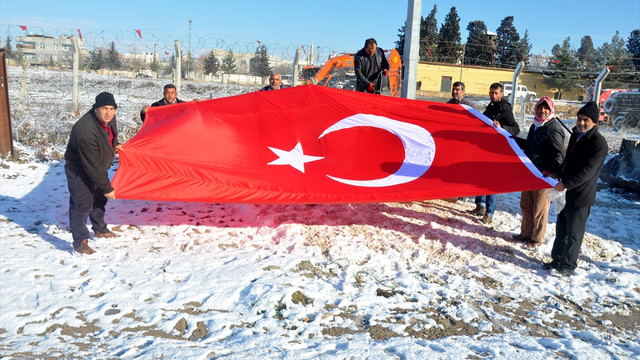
(624, 109)
(338, 72)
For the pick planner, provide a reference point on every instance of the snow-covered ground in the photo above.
(420, 280)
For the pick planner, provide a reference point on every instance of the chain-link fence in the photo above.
(54, 77)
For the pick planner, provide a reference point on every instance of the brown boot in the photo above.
(108, 234)
(84, 248)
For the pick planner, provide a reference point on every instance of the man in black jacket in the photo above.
(500, 112)
(92, 146)
(169, 98)
(275, 81)
(579, 173)
(543, 147)
(369, 63)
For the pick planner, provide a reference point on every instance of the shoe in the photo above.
(551, 265)
(108, 234)
(487, 219)
(565, 271)
(84, 248)
(532, 244)
(521, 237)
(479, 211)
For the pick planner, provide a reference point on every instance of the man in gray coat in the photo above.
(369, 63)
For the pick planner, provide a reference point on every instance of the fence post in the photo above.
(6, 140)
(294, 74)
(178, 73)
(76, 65)
(597, 87)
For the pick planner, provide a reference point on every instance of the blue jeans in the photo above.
(490, 201)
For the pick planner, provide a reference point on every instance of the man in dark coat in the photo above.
(500, 112)
(369, 63)
(92, 146)
(578, 175)
(543, 147)
(275, 81)
(169, 98)
(457, 95)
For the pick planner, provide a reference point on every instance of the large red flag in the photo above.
(312, 144)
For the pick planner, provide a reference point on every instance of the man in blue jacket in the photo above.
(92, 146)
(579, 173)
(369, 63)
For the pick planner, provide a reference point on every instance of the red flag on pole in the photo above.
(24, 28)
(259, 43)
(80, 34)
(305, 51)
(166, 53)
(139, 33)
(312, 144)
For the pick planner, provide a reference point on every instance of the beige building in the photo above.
(47, 50)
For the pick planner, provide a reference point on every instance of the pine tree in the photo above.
(479, 46)
(97, 60)
(564, 67)
(428, 35)
(9, 50)
(113, 58)
(615, 54)
(524, 52)
(259, 64)
(587, 53)
(507, 44)
(633, 46)
(211, 65)
(449, 47)
(400, 41)
(229, 64)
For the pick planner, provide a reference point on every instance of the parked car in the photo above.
(522, 91)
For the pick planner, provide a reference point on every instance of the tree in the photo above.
(614, 54)
(259, 64)
(155, 65)
(9, 51)
(229, 64)
(587, 53)
(97, 60)
(428, 35)
(564, 67)
(633, 46)
(449, 47)
(113, 58)
(400, 41)
(507, 44)
(479, 46)
(211, 65)
(524, 52)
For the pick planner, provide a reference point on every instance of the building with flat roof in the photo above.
(47, 50)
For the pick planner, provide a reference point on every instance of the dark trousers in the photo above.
(570, 229)
(85, 200)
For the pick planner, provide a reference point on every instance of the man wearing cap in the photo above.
(92, 146)
(578, 175)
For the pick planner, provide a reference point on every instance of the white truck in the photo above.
(522, 91)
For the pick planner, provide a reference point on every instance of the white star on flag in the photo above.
(295, 157)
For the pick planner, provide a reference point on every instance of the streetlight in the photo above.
(189, 51)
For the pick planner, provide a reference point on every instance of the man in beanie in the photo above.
(578, 175)
(92, 146)
(543, 147)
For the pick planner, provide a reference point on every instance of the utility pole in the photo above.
(411, 46)
(189, 51)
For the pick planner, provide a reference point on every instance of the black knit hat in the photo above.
(105, 98)
(591, 111)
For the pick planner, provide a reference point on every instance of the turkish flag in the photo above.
(24, 28)
(80, 34)
(166, 53)
(139, 33)
(312, 144)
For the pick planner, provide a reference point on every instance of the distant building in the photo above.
(144, 58)
(46, 50)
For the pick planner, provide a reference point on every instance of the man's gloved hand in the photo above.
(371, 87)
(385, 72)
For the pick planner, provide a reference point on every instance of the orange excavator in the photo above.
(338, 72)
